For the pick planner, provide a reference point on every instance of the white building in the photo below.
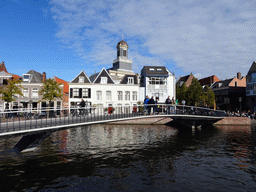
(158, 82)
(116, 87)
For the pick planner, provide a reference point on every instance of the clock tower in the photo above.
(122, 62)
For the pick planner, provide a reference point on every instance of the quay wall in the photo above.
(234, 121)
(164, 120)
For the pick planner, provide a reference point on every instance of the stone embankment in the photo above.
(164, 120)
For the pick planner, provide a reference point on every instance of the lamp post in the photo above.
(183, 102)
(240, 101)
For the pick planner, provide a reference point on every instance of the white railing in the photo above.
(23, 119)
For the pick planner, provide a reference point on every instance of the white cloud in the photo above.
(215, 37)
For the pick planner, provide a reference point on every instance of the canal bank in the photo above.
(165, 120)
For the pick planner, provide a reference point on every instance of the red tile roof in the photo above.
(2, 67)
(208, 80)
(65, 86)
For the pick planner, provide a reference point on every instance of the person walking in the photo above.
(173, 105)
(151, 103)
(168, 103)
(145, 104)
(156, 109)
(82, 107)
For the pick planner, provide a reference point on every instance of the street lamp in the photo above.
(240, 101)
(183, 102)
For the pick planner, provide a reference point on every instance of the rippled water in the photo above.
(133, 158)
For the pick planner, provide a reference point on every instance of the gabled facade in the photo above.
(185, 79)
(32, 82)
(116, 87)
(65, 99)
(227, 93)
(158, 82)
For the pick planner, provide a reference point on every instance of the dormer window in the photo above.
(151, 69)
(130, 80)
(26, 77)
(159, 69)
(104, 80)
(81, 79)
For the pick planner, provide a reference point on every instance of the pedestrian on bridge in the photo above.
(151, 103)
(145, 104)
(168, 105)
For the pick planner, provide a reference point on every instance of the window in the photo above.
(104, 80)
(108, 95)
(127, 95)
(130, 80)
(76, 92)
(235, 84)
(35, 93)
(151, 69)
(159, 69)
(86, 93)
(124, 53)
(25, 92)
(120, 95)
(81, 79)
(134, 95)
(26, 77)
(99, 95)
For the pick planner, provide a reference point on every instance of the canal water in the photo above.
(133, 158)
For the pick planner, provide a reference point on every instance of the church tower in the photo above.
(122, 62)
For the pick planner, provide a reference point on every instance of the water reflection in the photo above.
(134, 158)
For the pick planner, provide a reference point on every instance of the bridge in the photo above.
(35, 125)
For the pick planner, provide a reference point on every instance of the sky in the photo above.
(64, 37)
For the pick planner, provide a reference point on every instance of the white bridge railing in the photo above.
(24, 119)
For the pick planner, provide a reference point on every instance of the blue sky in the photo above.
(63, 37)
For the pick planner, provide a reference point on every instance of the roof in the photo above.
(125, 79)
(252, 68)
(223, 84)
(155, 71)
(81, 74)
(65, 86)
(208, 80)
(121, 43)
(15, 76)
(2, 67)
(36, 76)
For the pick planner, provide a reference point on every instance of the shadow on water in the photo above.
(101, 156)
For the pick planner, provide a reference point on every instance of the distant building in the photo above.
(4, 77)
(227, 93)
(185, 79)
(208, 80)
(32, 82)
(251, 87)
(158, 82)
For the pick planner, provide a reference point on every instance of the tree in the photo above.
(50, 91)
(194, 93)
(210, 97)
(181, 92)
(11, 90)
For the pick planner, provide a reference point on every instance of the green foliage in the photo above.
(210, 97)
(194, 93)
(10, 90)
(50, 91)
(181, 92)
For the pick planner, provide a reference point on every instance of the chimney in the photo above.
(239, 75)
(44, 76)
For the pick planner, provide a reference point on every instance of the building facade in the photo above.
(158, 82)
(251, 87)
(227, 93)
(116, 88)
